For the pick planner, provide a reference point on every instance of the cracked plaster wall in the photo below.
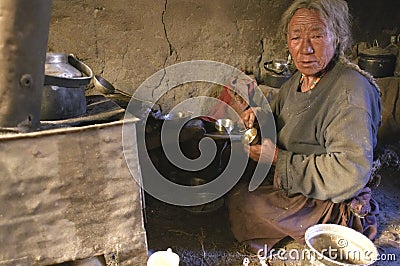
(127, 41)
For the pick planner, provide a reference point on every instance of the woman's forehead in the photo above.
(307, 19)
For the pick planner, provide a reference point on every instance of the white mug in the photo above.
(163, 258)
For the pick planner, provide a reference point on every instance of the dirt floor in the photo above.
(206, 239)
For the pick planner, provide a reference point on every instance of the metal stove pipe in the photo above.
(24, 30)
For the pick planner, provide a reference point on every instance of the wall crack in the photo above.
(98, 9)
(260, 59)
(171, 49)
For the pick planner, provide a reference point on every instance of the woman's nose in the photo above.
(306, 46)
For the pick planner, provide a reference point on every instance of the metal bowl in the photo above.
(176, 119)
(192, 181)
(203, 196)
(177, 115)
(207, 207)
(197, 181)
(250, 136)
(224, 125)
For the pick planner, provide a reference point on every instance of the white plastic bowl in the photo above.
(332, 244)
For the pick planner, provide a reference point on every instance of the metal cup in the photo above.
(224, 124)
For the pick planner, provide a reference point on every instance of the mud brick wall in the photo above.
(129, 40)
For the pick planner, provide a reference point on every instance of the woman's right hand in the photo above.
(248, 117)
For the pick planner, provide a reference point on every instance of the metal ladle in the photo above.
(105, 87)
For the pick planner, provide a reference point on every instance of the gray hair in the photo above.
(336, 15)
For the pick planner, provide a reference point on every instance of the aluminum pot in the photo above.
(277, 72)
(64, 91)
(379, 62)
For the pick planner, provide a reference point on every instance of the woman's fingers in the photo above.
(264, 153)
(252, 117)
(253, 151)
(248, 117)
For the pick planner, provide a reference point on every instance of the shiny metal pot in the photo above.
(278, 66)
(277, 72)
(64, 91)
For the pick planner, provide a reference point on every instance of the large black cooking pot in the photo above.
(377, 61)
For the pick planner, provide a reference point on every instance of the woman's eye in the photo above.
(295, 38)
(318, 36)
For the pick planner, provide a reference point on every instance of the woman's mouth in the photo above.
(307, 63)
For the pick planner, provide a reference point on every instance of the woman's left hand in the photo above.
(267, 152)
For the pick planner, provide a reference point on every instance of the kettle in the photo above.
(64, 87)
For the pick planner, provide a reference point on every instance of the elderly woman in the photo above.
(327, 117)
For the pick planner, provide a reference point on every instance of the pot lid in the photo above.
(54, 58)
(375, 50)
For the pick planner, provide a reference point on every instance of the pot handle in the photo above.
(74, 82)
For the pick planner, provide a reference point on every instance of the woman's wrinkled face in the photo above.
(310, 43)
